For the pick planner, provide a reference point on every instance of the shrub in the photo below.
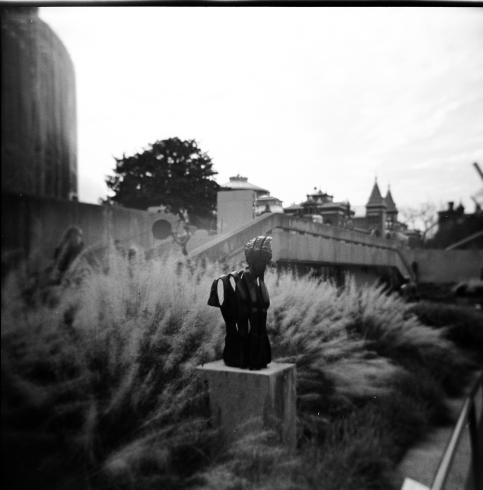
(462, 325)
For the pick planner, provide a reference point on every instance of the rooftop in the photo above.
(241, 183)
(268, 198)
(375, 199)
(391, 205)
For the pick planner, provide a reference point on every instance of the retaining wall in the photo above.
(446, 266)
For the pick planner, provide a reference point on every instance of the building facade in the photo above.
(268, 204)
(458, 229)
(236, 203)
(376, 219)
(320, 207)
(381, 216)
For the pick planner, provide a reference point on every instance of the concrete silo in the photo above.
(39, 126)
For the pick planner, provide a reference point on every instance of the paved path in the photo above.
(421, 462)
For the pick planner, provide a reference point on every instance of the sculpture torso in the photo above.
(244, 310)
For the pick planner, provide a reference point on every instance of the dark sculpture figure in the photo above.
(243, 300)
(66, 252)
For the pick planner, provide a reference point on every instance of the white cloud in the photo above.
(292, 98)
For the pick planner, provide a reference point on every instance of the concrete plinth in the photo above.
(264, 398)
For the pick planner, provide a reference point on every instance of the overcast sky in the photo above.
(291, 98)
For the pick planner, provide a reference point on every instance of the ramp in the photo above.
(299, 240)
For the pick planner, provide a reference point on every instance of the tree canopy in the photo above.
(171, 172)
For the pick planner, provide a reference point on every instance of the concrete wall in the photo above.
(34, 225)
(39, 126)
(299, 241)
(446, 266)
(302, 241)
(230, 245)
(234, 208)
(315, 248)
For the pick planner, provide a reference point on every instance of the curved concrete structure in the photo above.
(39, 133)
(296, 240)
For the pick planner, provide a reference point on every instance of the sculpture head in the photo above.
(258, 252)
(72, 236)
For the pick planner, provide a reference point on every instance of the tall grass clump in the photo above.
(372, 379)
(98, 385)
(99, 388)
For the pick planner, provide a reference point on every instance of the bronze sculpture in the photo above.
(243, 300)
(69, 248)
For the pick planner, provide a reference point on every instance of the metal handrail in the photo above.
(467, 416)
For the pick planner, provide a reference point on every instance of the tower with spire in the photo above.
(376, 210)
(376, 203)
(391, 210)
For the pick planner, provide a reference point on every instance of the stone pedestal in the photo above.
(264, 399)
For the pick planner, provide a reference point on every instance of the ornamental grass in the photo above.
(100, 391)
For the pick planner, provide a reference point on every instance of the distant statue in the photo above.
(182, 232)
(243, 299)
(69, 248)
(118, 247)
(415, 269)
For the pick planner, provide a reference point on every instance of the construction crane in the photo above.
(478, 169)
(478, 197)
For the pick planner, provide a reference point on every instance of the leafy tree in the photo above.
(170, 172)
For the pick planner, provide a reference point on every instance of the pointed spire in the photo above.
(375, 199)
(391, 205)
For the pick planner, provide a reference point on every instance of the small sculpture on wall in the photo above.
(243, 300)
(68, 249)
(181, 231)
